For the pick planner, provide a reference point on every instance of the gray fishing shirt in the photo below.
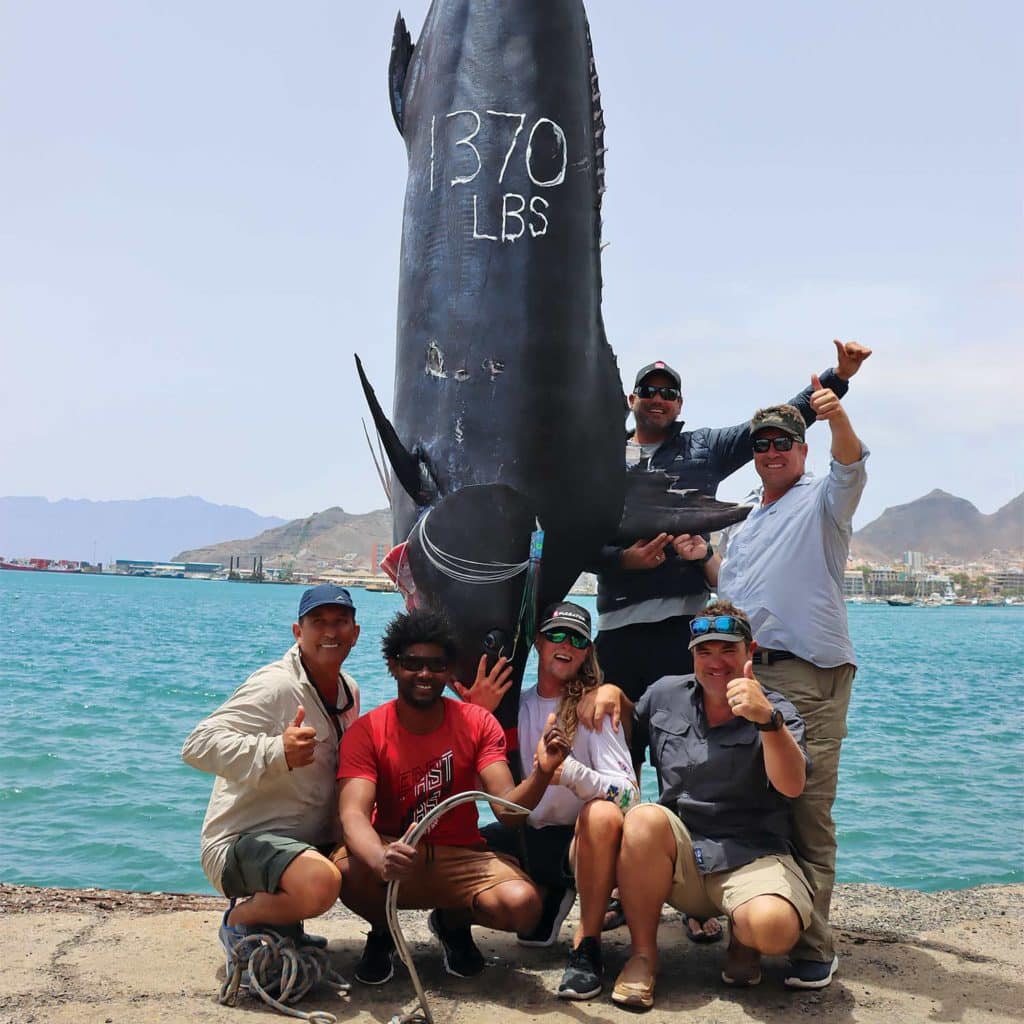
(714, 778)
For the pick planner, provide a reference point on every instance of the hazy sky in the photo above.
(201, 215)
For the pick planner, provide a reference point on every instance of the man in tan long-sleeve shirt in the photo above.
(273, 746)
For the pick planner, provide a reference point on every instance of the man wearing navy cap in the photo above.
(648, 592)
(273, 745)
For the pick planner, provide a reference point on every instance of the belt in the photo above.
(764, 657)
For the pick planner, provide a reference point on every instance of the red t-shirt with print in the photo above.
(413, 773)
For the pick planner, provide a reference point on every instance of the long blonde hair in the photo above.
(589, 677)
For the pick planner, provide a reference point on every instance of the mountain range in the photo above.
(150, 529)
(944, 526)
(190, 529)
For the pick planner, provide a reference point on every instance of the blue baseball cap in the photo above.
(326, 593)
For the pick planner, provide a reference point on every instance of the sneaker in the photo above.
(461, 957)
(376, 965)
(557, 904)
(811, 973)
(308, 939)
(582, 977)
(230, 935)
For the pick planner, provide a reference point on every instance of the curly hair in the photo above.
(421, 626)
(589, 677)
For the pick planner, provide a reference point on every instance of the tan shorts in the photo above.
(703, 896)
(449, 877)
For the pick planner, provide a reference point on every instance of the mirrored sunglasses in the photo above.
(559, 636)
(729, 624)
(412, 663)
(650, 390)
(780, 444)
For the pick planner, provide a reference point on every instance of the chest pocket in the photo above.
(737, 762)
(675, 744)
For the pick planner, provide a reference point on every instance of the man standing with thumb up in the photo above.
(273, 745)
(784, 567)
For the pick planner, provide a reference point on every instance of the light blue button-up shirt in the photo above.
(784, 564)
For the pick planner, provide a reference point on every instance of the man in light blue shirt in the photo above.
(784, 566)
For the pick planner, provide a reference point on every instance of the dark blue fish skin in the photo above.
(503, 374)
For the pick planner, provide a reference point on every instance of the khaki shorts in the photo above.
(703, 896)
(448, 877)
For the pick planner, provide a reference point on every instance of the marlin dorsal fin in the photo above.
(401, 54)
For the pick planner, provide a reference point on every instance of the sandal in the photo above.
(613, 916)
(701, 936)
(742, 966)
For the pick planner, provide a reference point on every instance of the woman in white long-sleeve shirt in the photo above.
(573, 833)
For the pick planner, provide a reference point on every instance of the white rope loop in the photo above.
(465, 570)
(420, 1013)
(280, 973)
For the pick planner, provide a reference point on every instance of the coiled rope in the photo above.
(280, 973)
(420, 1013)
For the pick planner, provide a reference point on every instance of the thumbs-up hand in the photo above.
(746, 698)
(299, 741)
(823, 400)
(552, 748)
(850, 356)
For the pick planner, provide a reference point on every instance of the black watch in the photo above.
(774, 724)
(708, 555)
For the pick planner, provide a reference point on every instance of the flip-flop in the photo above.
(742, 969)
(637, 994)
(613, 916)
(701, 937)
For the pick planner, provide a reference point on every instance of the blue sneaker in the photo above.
(230, 935)
(811, 973)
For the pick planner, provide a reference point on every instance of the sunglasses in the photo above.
(780, 444)
(559, 636)
(650, 390)
(704, 624)
(412, 663)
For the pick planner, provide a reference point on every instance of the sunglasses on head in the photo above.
(704, 624)
(650, 390)
(559, 636)
(413, 663)
(780, 444)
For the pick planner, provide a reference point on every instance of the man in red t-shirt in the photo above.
(399, 762)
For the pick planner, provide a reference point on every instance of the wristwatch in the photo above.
(708, 556)
(774, 724)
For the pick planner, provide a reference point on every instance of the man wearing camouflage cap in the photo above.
(648, 592)
(784, 566)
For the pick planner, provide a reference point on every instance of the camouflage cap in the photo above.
(786, 418)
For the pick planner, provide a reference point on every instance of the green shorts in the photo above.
(256, 861)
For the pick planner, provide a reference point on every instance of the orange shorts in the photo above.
(449, 877)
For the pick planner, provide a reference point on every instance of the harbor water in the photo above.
(101, 678)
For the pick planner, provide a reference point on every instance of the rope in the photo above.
(420, 1013)
(465, 570)
(277, 968)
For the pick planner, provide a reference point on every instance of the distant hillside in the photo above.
(941, 524)
(151, 528)
(325, 539)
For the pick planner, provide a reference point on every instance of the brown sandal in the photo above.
(636, 992)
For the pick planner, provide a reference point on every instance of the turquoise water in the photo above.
(101, 678)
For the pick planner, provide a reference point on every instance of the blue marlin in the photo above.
(508, 409)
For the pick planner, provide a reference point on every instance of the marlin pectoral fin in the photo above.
(653, 507)
(412, 472)
(401, 54)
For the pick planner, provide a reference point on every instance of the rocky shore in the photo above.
(98, 957)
